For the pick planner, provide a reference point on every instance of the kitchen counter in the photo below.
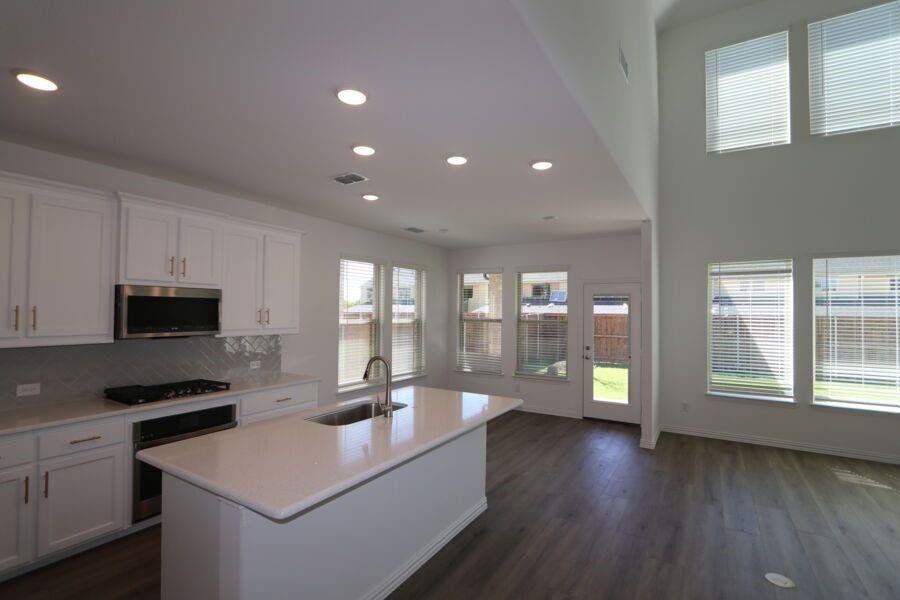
(27, 418)
(281, 467)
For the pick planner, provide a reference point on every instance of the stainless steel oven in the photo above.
(151, 311)
(147, 480)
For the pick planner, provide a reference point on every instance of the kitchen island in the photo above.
(292, 508)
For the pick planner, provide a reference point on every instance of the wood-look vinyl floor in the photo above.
(577, 510)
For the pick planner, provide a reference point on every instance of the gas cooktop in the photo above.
(139, 394)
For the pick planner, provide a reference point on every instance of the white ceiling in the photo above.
(240, 96)
(672, 13)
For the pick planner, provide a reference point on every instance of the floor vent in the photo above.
(350, 178)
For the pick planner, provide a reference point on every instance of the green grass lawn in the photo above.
(832, 390)
(611, 383)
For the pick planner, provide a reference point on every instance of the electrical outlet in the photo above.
(255, 364)
(28, 389)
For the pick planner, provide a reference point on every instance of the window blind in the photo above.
(408, 322)
(479, 345)
(854, 71)
(359, 320)
(748, 95)
(543, 324)
(750, 329)
(857, 330)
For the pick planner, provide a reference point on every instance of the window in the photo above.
(359, 320)
(750, 329)
(480, 323)
(857, 330)
(854, 71)
(408, 322)
(748, 95)
(543, 325)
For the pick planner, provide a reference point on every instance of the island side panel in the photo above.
(365, 542)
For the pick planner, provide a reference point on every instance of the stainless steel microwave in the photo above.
(149, 311)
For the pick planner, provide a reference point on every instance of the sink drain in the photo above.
(780, 580)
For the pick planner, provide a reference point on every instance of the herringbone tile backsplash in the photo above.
(71, 372)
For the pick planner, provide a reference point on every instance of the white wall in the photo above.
(813, 197)
(314, 351)
(596, 259)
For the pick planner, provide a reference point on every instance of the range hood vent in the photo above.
(350, 178)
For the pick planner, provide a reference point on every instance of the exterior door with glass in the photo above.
(611, 352)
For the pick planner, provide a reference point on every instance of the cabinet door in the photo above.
(242, 300)
(70, 283)
(79, 498)
(13, 231)
(281, 291)
(149, 241)
(16, 516)
(200, 251)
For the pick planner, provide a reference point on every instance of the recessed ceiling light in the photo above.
(364, 150)
(351, 97)
(370, 197)
(457, 161)
(34, 80)
(541, 165)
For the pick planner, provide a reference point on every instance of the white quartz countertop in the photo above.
(284, 466)
(37, 416)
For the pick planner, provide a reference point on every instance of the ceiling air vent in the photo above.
(350, 178)
(414, 230)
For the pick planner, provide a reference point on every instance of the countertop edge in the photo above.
(138, 408)
(285, 513)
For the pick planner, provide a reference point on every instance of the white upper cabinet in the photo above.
(164, 245)
(281, 286)
(261, 287)
(69, 274)
(242, 293)
(150, 243)
(13, 239)
(200, 250)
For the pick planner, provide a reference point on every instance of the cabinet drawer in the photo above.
(279, 398)
(16, 450)
(82, 436)
(274, 414)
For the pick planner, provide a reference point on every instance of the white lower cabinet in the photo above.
(278, 402)
(79, 498)
(17, 501)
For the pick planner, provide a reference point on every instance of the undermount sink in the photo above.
(352, 414)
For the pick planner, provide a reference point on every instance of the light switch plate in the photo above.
(255, 364)
(28, 389)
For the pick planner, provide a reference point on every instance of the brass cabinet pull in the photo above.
(259, 316)
(16, 318)
(172, 266)
(87, 439)
(34, 317)
(46, 483)
(184, 267)
(27, 488)
(280, 400)
(268, 315)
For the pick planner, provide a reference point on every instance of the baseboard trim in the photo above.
(650, 443)
(396, 578)
(790, 445)
(548, 411)
(77, 549)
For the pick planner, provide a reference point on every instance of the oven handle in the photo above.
(138, 446)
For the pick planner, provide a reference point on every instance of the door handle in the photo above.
(27, 488)
(184, 267)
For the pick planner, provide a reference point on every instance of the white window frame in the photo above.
(838, 403)
(716, 135)
(866, 21)
(460, 275)
(518, 299)
(378, 309)
(421, 307)
(790, 327)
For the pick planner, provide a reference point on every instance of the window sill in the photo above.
(755, 398)
(351, 389)
(408, 377)
(864, 408)
(488, 373)
(541, 377)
